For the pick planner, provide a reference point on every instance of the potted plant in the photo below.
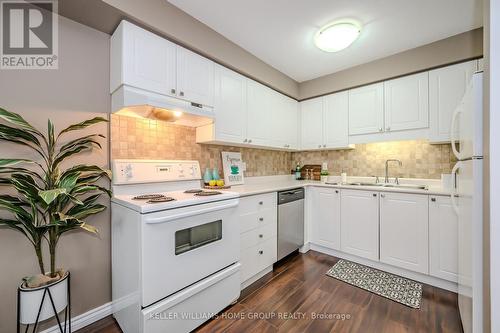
(43, 201)
(324, 176)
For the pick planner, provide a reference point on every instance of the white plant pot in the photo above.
(30, 299)
(324, 179)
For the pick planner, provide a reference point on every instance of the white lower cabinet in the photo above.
(443, 239)
(258, 216)
(404, 230)
(325, 217)
(359, 211)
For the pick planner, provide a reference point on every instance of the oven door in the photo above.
(184, 245)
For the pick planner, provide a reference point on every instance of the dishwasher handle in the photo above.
(290, 195)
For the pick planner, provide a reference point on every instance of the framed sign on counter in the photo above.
(233, 168)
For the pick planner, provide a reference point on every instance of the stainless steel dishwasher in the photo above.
(290, 221)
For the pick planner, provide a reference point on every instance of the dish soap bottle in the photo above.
(297, 172)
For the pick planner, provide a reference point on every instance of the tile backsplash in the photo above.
(420, 159)
(149, 139)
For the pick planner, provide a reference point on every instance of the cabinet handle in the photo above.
(172, 91)
(336, 191)
(433, 199)
(324, 146)
(261, 235)
(387, 128)
(374, 194)
(182, 93)
(382, 195)
(319, 146)
(246, 140)
(261, 252)
(261, 202)
(380, 129)
(261, 219)
(249, 140)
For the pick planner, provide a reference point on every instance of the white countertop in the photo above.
(259, 185)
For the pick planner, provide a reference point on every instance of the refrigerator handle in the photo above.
(454, 118)
(454, 187)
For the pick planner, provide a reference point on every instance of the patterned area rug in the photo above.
(385, 284)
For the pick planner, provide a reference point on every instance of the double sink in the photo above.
(408, 186)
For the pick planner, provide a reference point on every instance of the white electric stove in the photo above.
(175, 247)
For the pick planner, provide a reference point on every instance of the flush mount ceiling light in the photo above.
(337, 35)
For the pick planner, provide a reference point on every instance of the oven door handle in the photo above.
(230, 204)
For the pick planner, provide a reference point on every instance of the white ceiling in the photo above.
(280, 32)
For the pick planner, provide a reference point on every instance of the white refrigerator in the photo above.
(467, 145)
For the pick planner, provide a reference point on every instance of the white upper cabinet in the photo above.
(359, 226)
(336, 120)
(366, 109)
(195, 77)
(324, 122)
(230, 105)
(443, 239)
(311, 115)
(407, 103)
(261, 104)
(285, 121)
(142, 59)
(325, 217)
(404, 227)
(446, 88)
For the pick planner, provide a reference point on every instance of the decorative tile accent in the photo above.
(150, 139)
(393, 287)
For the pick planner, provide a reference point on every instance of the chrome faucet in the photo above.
(386, 180)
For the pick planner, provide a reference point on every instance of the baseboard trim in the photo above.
(86, 318)
(427, 279)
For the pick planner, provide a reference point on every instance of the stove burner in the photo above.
(148, 196)
(160, 199)
(207, 193)
(193, 191)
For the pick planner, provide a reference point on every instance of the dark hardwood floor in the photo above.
(299, 286)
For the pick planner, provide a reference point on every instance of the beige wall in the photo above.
(76, 91)
(167, 19)
(450, 50)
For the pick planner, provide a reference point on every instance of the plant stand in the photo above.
(46, 294)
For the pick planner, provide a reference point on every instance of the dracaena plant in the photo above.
(45, 200)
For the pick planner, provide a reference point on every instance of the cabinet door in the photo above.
(261, 113)
(326, 217)
(143, 60)
(366, 109)
(360, 223)
(336, 120)
(311, 114)
(230, 105)
(443, 239)
(195, 77)
(404, 227)
(407, 102)
(446, 88)
(288, 123)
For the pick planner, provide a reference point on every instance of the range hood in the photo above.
(139, 103)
